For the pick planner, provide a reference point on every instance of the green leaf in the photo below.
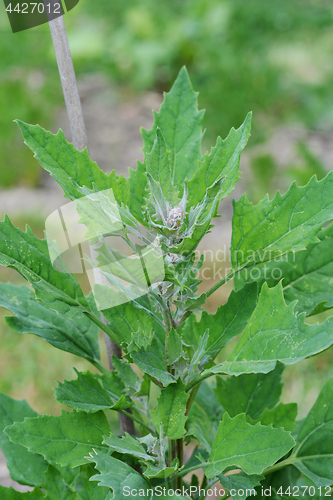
(160, 169)
(288, 222)
(72, 331)
(200, 426)
(118, 476)
(152, 362)
(228, 322)
(63, 440)
(240, 482)
(307, 275)
(24, 467)
(283, 415)
(91, 393)
(134, 321)
(29, 256)
(251, 448)
(127, 375)
(72, 169)
(55, 486)
(250, 393)
(11, 494)
(154, 471)
(275, 333)
(86, 489)
(127, 445)
(313, 452)
(221, 163)
(170, 411)
(174, 347)
(181, 125)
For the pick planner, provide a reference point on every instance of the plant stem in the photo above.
(222, 281)
(134, 418)
(79, 137)
(180, 455)
(279, 465)
(191, 399)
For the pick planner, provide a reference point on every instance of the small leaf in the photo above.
(170, 411)
(127, 375)
(313, 452)
(63, 440)
(152, 362)
(71, 331)
(251, 448)
(250, 393)
(11, 494)
(181, 125)
(127, 445)
(24, 467)
(91, 393)
(288, 222)
(174, 347)
(242, 484)
(118, 476)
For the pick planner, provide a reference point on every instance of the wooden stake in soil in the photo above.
(79, 137)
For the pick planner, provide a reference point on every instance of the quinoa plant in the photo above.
(240, 440)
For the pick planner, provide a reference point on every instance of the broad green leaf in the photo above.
(283, 478)
(313, 452)
(11, 494)
(251, 448)
(241, 485)
(170, 411)
(221, 163)
(88, 490)
(72, 331)
(118, 476)
(29, 256)
(181, 125)
(24, 467)
(152, 362)
(228, 322)
(63, 440)
(307, 275)
(72, 169)
(283, 415)
(288, 222)
(91, 393)
(55, 486)
(250, 393)
(275, 333)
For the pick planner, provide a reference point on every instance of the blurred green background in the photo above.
(271, 57)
